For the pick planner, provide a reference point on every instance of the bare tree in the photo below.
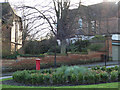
(56, 18)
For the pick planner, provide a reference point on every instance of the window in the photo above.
(80, 23)
(93, 25)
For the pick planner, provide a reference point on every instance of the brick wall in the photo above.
(50, 58)
(109, 45)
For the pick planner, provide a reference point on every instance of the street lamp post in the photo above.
(55, 52)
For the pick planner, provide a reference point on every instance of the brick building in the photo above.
(11, 30)
(115, 49)
(96, 19)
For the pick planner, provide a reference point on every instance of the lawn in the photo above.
(104, 85)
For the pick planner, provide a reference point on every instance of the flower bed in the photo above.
(65, 75)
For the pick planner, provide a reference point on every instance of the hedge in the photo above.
(14, 56)
(65, 75)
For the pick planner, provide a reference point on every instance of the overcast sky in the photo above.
(45, 2)
(31, 2)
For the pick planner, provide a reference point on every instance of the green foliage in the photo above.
(110, 69)
(54, 78)
(116, 67)
(49, 53)
(97, 78)
(61, 69)
(96, 67)
(65, 75)
(78, 46)
(85, 45)
(20, 76)
(47, 78)
(89, 78)
(70, 74)
(48, 71)
(104, 76)
(72, 69)
(34, 78)
(118, 75)
(73, 78)
(12, 56)
(69, 71)
(40, 47)
(29, 55)
(57, 78)
(40, 79)
(61, 75)
(80, 78)
(114, 75)
(98, 37)
(72, 48)
(79, 52)
(103, 68)
(95, 47)
(52, 49)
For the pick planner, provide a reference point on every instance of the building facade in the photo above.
(116, 50)
(11, 30)
(96, 19)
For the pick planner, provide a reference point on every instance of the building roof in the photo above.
(104, 9)
(8, 13)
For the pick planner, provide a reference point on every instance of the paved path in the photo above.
(5, 77)
(110, 63)
(7, 74)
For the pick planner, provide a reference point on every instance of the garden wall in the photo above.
(50, 58)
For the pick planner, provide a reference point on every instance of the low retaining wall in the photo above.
(50, 58)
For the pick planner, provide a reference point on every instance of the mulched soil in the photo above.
(12, 82)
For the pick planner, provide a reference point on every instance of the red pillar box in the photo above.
(38, 64)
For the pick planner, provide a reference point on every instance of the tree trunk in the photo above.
(63, 46)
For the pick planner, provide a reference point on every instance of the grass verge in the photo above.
(103, 85)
